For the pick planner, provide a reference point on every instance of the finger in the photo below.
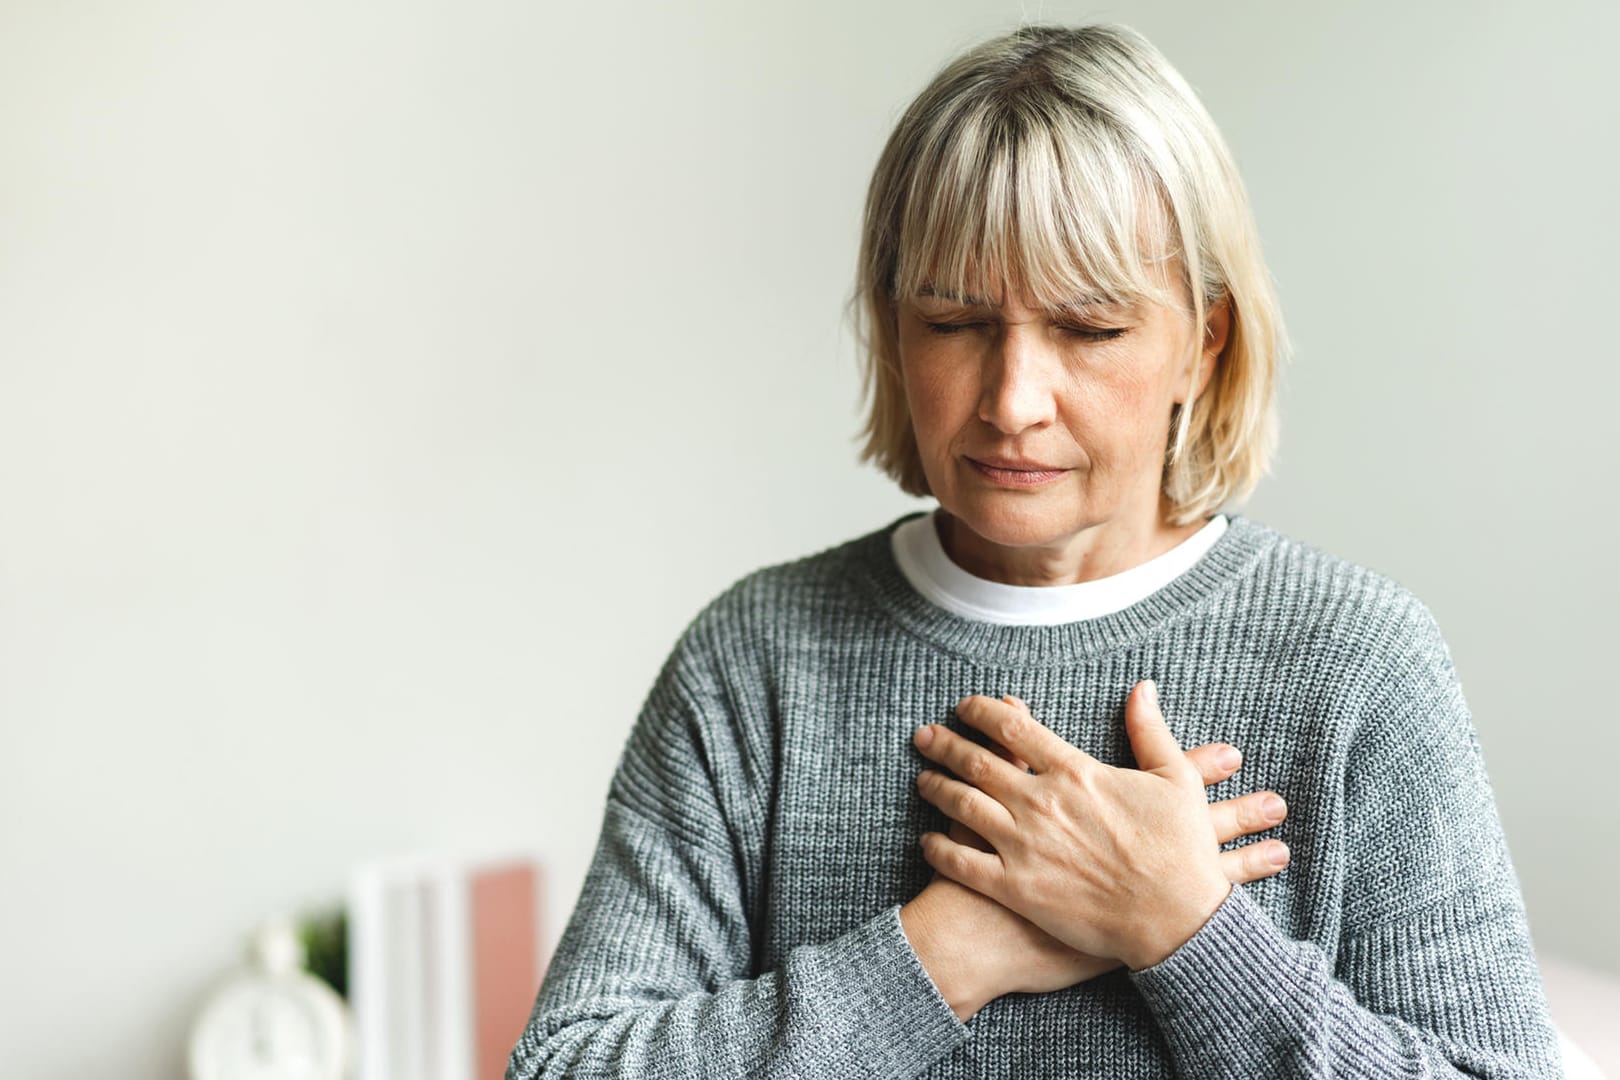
(1254, 861)
(1001, 751)
(1210, 761)
(1011, 758)
(1014, 727)
(1152, 742)
(964, 835)
(1247, 814)
(1007, 755)
(967, 804)
(980, 871)
(974, 764)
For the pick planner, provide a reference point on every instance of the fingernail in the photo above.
(1230, 758)
(1152, 693)
(1278, 855)
(925, 735)
(1274, 807)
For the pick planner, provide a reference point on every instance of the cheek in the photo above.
(1133, 396)
(1130, 403)
(937, 402)
(1111, 421)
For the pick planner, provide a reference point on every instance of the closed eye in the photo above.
(1084, 333)
(1094, 333)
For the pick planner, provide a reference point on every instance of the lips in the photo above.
(1017, 464)
(1015, 472)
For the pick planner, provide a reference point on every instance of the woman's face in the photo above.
(1037, 426)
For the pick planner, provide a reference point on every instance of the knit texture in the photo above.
(740, 917)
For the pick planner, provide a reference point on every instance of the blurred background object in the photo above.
(273, 1019)
(444, 964)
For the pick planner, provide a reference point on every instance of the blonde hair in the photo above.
(1071, 161)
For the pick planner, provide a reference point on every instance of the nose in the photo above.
(1018, 381)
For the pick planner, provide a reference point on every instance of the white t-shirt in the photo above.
(922, 559)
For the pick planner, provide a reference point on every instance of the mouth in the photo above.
(1011, 472)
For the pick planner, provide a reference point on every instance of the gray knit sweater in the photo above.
(741, 914)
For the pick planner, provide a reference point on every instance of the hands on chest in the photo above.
(1059, 867)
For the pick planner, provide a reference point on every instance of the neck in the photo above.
(1100, 551)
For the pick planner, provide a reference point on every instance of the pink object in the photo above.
(505, 958)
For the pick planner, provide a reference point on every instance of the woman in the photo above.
(1072, 346)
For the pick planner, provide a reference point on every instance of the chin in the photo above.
(1016, 521)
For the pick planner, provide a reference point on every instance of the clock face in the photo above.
(259, 1028)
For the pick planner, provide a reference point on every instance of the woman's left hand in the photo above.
(1119, 863)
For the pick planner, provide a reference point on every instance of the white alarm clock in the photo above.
(273, 1021)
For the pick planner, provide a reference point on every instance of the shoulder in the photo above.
(801, 595)
(1372, 653)
(709, 711)
(1335, 608)
(782, 605)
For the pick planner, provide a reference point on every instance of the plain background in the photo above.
(383, 386)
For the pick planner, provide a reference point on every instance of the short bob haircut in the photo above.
(1068, 162)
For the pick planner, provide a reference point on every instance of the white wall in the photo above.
(383, 386)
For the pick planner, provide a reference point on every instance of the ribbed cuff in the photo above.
(1238, 975)
(905, 1023)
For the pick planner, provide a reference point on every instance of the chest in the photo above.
(844, 815)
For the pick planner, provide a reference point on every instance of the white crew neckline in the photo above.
(922, 559)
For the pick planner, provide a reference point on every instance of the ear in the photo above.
(1217, 326)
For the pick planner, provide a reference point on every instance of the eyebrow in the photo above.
(946, 294)
(974, 301)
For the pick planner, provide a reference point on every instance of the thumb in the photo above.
(1152, 742)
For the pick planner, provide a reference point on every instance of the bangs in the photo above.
(1048, 201)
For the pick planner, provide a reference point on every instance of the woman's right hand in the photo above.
(976, 950)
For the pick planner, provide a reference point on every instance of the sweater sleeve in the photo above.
(653, 974)
(1434, 975)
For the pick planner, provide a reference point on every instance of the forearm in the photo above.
(1241, 999)
(856, 1006)
(650, 980)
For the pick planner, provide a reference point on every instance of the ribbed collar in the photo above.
(1231, 556)
(923, 559)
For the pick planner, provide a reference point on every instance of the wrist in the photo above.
(1179, 929)
(960, 977)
